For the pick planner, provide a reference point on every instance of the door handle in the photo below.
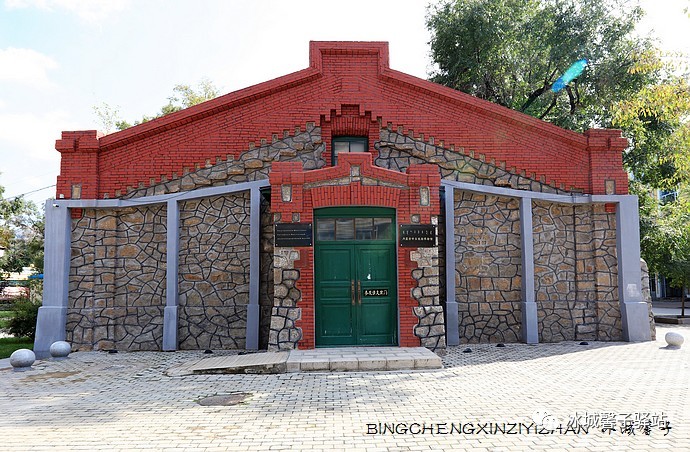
(359, 291)
(353, 294)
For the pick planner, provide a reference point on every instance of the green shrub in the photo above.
(23, 324)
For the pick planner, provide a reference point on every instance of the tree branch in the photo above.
(551, 105)
(574, 99)
(538, 92)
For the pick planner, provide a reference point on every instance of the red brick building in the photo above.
(343, 204)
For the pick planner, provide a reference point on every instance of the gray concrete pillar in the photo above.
(52, 315)
(171, 283)
(634, 310)
(452, 315)
(530, 328)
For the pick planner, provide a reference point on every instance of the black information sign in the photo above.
(417, 235)
(375, 292)
(293, 234)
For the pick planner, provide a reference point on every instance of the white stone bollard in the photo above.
(674, 339)
(60, 349)
(22, 359)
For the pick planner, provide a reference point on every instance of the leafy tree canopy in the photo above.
(21, 235)
(512, 51)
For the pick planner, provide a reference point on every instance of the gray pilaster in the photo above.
(171, 286)
(252, 342)
(634, 310)
(52, 315)
(452, 320)
(530, 331)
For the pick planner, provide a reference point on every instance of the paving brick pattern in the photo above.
(125, 401)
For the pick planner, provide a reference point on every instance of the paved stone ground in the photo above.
(100, 401)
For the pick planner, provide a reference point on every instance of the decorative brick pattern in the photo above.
(355, 181)
(268, 111)
(252, 164)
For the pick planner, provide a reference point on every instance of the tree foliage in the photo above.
(184, 96)
(23, 321)
(21, 235)
(666, 242)
(512, 51)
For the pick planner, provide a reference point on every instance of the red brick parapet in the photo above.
(350, 87)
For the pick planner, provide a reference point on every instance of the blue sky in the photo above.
(59, 58)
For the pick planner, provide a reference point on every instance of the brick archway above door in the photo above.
(354, 181)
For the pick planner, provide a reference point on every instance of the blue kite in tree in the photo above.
(568, 76)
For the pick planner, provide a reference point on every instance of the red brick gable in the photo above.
(340, 73)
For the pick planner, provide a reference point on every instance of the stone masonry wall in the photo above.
(575, 257)
(575, 272)
(117, 279)
(284, 333)
(213, 272)
(397, 151)
(431, 328)
(488, 268)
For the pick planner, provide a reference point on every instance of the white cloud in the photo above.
(92, 11)
(25, 66)
(31, 136)
(28, 159)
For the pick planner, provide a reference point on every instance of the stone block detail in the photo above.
(568, 321)
(397, 152)
(117, 279)
(213, 276)
(254, 164)
(488, 267)
(284, 333)
(493, 322)
(576, 272)
(431, 329)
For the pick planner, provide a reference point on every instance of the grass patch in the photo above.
(9, 344)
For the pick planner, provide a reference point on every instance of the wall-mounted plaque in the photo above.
(417, 235)
(293, 234)
(375, 292)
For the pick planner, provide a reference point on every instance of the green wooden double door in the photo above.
(355, 277)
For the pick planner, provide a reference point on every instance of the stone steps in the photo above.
(363, 359)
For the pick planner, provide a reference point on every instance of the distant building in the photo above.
(344, 204)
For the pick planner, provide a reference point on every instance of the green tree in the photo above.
(21, 235)
(512, 51)
(184, 96)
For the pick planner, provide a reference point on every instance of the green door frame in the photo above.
(350, 306)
